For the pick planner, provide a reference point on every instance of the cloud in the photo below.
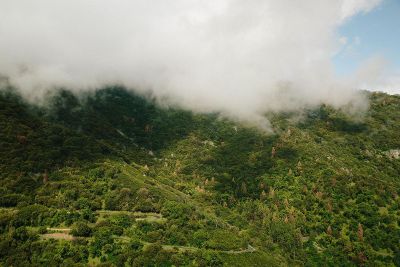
(379, 78)
(349, 48)
(343, 40)
(389, 83)
(241, 58)
(352, 7)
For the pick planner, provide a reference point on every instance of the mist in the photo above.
(239, 58)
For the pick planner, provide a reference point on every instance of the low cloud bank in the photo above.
(241, 58)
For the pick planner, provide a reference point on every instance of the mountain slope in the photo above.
(143, 185)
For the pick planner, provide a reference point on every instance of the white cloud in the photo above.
(343, 40)
(239, 57)
(357, 40)
(389, 84)
(352, 7)
(349, 48)
(385, 81)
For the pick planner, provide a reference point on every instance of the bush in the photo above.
(12, 200)
(81, 229)
(42, 230)
(135, 245)
(200, 237)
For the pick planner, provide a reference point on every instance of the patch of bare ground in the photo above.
(63, 236)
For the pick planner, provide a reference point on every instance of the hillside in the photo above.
(112, 179)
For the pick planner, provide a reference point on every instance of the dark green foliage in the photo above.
(12, 200)
(81, 229)
(127, 183)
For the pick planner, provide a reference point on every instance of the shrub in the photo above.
(81, 229)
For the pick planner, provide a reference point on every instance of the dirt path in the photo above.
(65, 230)
(138, 216)
(58, 233)
(63, 236)
(249, 249)
(63, 233)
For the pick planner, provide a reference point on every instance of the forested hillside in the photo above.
(112, 179)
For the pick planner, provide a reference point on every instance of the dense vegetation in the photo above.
(112, 179)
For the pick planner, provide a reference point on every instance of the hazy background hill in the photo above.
(111, 178)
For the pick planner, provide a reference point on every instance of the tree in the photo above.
(81, 229)
(273, 152)
(45, 177)
(243, 188)
(329, 230)
(360, 233)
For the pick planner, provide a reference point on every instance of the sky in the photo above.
(369, 35)
(239, 58)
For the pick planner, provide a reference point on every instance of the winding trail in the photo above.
(64, 233)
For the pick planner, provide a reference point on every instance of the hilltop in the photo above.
(111, 178)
